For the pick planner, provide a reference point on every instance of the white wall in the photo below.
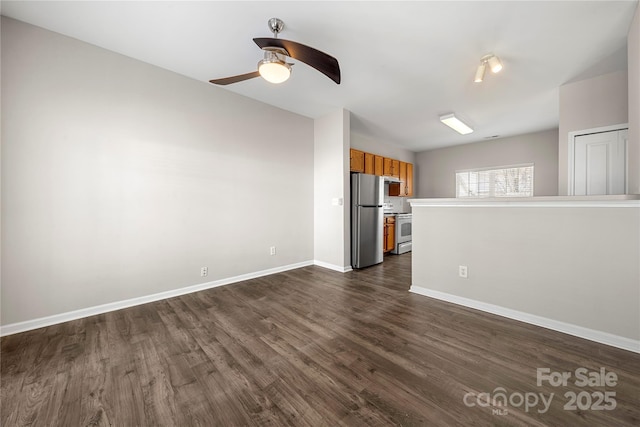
(564, 264)
(438, 167)
(633, 60)
(332, 244)
(120, 179)
(587, 104)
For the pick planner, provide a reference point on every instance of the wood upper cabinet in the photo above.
(386, 166)
(373, 164)
(389, 234)
(403, 178)
(369, 163)
(363, 162)
(405, 187)
(409, 181)
(395, 168)
(357, 160)
(391, 167)
(378, 165)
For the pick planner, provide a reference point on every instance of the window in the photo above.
(508, 181)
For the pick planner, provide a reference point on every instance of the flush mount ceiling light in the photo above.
(273, 68)
(492, 61)
(456, 124)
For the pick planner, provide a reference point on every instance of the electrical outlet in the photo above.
(463, 271)
(204, 271)
(272, 250)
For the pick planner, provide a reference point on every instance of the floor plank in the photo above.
(307, 347)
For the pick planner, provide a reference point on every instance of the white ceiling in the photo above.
(403, 63)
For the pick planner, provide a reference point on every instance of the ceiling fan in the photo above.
(274, 67)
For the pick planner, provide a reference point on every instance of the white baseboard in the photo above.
(14, 328)
(567, 328)
(332, 266)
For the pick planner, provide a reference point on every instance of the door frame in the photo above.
(571, 152)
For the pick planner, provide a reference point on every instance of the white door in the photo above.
(600, 163)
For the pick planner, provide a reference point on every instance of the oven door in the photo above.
(403, 234)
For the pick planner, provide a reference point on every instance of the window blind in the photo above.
(509, 181)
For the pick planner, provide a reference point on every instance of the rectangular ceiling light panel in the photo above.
(456, 124)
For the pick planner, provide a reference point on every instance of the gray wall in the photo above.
(587, 104)
(576, 265)
(438, 167)
(633, 46)
(121, 180)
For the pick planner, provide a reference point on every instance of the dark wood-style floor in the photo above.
(309, 347)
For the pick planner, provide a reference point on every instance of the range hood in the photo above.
(391, 179)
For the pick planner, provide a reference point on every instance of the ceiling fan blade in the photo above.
(235, 79)
(326, 64)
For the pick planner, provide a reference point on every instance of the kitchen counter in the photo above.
(577, 201)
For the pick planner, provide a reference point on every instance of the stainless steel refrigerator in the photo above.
(367, 216)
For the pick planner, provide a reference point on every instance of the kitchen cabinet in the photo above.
(389, 234)
(357, 160)
(403, 178)
(378, 165)
(391, 167)
(386, 166)
(395, 168)
(409, 181)
(369, 163)
(405, 187)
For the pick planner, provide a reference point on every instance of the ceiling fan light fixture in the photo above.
(456, 124)
(273, 69)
